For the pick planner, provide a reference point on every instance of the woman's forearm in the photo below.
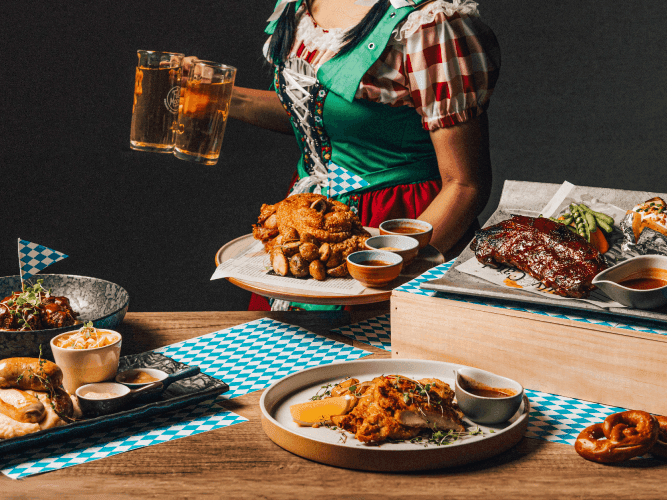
(465, 169)
(261, 108)
(452, 211)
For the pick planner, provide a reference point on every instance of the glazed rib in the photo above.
(546, 250)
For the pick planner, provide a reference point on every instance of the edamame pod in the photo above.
(605, 227)
(590, 220)
(579, 222)
(605, 221)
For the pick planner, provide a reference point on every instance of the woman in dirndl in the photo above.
(387, 100)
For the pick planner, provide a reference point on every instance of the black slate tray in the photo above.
(178, 395)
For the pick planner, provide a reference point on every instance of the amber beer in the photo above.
(203, 112)
(156, 98)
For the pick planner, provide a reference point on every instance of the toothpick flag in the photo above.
(33, 258)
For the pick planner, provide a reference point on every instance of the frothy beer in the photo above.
(156, 98)
(203, 111)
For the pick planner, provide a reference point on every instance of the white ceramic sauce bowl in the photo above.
(486, 410)
(636, 267)
(85, 366)
(405, 246)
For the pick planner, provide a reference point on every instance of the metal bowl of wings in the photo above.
(51, 304)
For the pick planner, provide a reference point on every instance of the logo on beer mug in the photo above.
(171, 101)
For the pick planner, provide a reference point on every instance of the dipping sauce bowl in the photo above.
(374, 268)
(640, 282)
(139, 377)
(486, 398)
(85, 366)
(405, 246)
(103, 398)
(417, 229)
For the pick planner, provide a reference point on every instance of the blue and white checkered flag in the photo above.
(33, 258)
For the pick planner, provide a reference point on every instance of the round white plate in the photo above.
(427, 258)
(330, 447)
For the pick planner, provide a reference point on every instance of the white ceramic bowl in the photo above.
(637, 267)
(417, 229)
(405, 246)
(487, 410)
(85, 366)
(374, 276)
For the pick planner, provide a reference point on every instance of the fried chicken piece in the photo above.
(397, 408)
(326, 220)
(314, 227)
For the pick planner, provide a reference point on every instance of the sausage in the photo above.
(299, 266)
(21, 406)
(291, 248)
(317, 270)
(309, 251)
(30, 373)
(279, 262)
(339, 271)
(325, 252)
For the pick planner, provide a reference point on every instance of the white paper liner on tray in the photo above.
(253, 265)
(509, 277)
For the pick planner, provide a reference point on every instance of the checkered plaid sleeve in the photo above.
(446, 67)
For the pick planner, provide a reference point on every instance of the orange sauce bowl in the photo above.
(417, 229)
(374, 268)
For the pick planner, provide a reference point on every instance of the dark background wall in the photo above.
(581, 98)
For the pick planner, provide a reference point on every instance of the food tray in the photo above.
(427, 258)
(178, 395)
(527, 198)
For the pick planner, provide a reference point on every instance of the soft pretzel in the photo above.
(660, 447)
(620, 437)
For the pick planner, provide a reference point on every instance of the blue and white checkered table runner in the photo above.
(247, 357)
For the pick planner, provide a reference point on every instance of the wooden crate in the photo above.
(597, 363)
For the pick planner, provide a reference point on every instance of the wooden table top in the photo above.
(241, 462)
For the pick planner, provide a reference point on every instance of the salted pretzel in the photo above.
(660, 447)
(620, 437)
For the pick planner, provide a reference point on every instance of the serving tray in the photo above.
(428, 257)
(178, 395)
(527, 198)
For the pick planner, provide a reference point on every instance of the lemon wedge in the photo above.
(321, 410)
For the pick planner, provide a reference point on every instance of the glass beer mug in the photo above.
(156, 97)
(203, 112)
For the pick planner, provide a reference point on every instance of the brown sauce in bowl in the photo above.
(140, 378)
(643, 283)
(390, 249)
(375, 263)
(406, 230)
(647, 279)
(484, 391)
